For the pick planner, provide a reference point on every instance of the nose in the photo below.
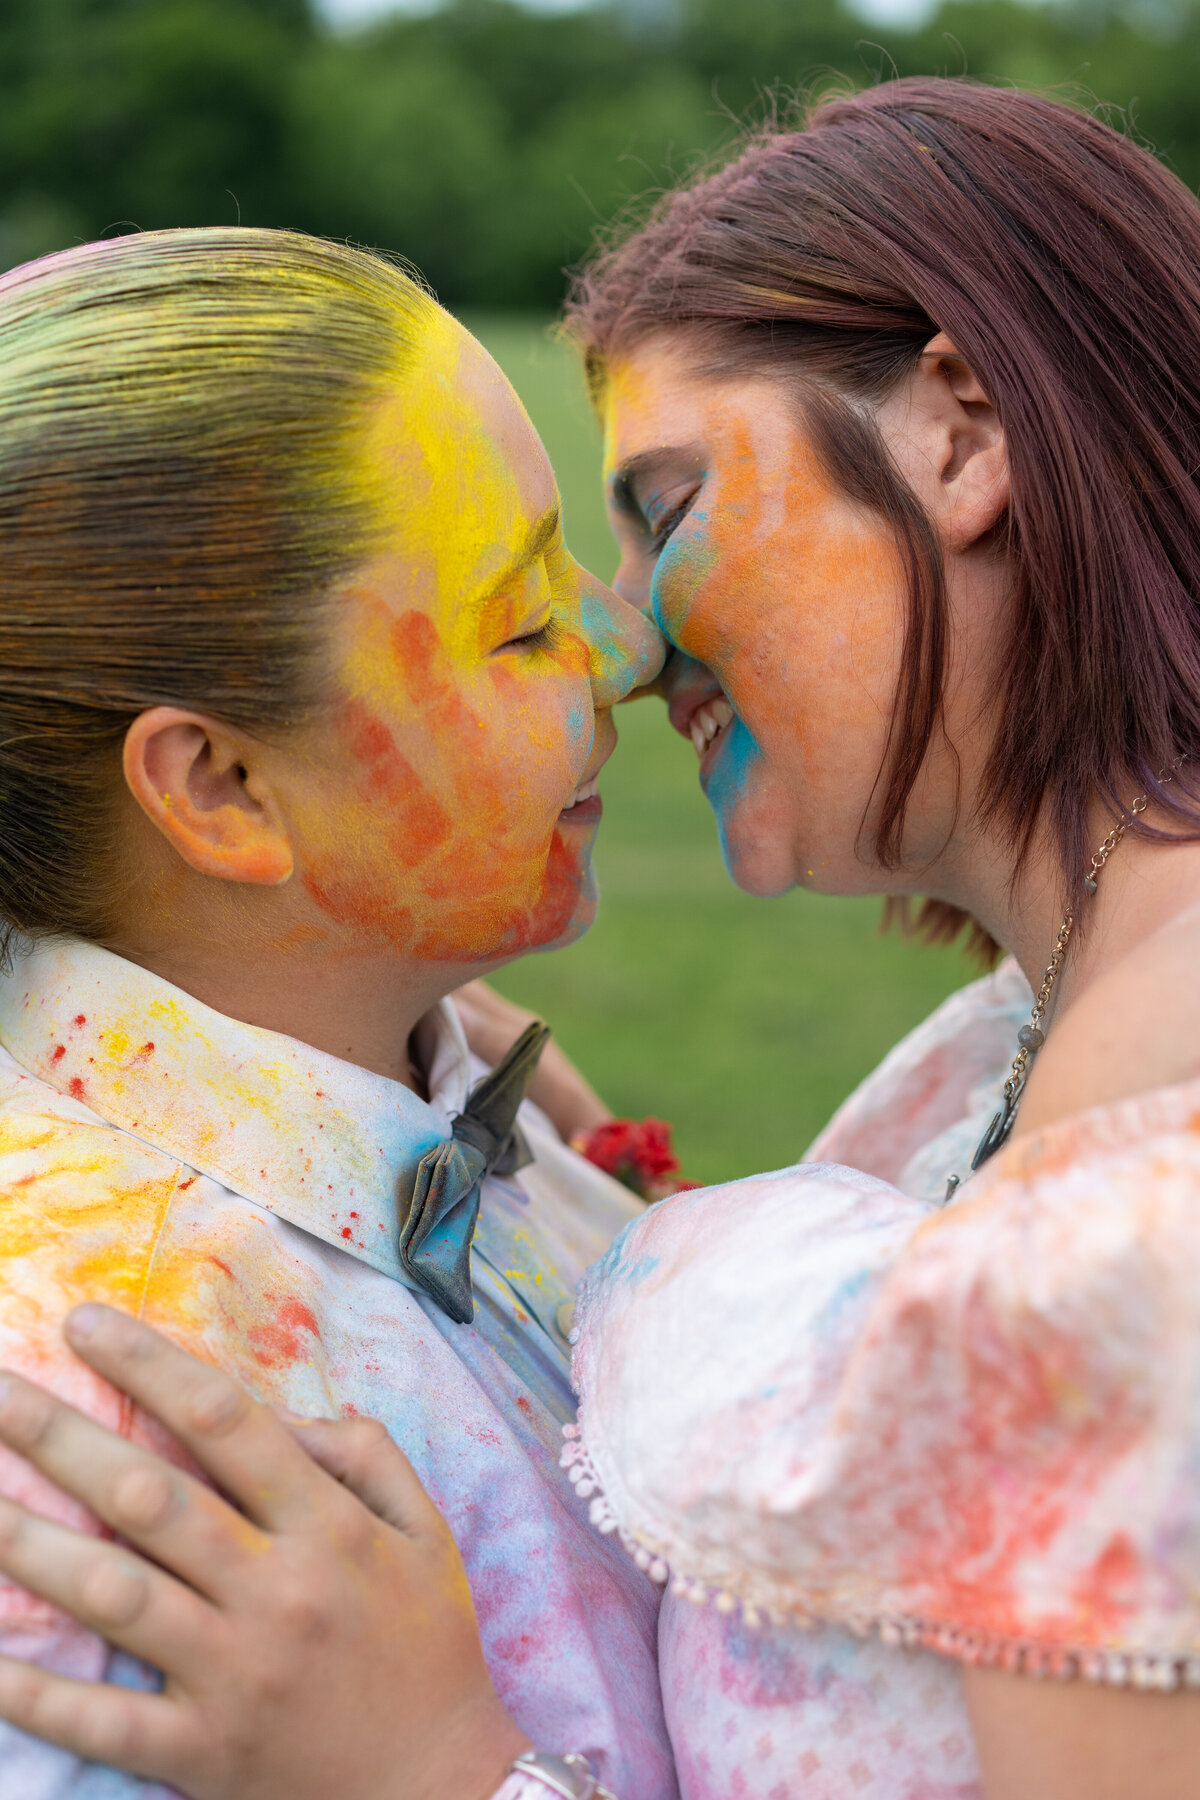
(627, 649)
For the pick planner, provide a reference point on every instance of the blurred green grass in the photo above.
(742, 1021)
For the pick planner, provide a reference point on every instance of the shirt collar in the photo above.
(319, 1141)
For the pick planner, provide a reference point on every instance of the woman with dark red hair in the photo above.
(903, 428)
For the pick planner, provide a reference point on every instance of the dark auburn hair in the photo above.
(1064, 262)
(182, 442)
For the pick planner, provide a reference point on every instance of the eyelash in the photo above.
(670, 524)
(547, 637)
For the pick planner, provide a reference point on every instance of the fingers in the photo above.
(244, 1447)
(162, 1510)
(360, 1454)
(109, 1589)
(144, 1733)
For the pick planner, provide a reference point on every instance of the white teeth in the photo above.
(708, 720)
(585, 791)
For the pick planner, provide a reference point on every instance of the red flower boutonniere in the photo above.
(638, 1153)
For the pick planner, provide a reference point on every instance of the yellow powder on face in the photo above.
(458, 747)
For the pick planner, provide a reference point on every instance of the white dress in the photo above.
(867, 1437)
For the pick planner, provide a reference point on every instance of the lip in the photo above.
(587, 812)
(584, 812)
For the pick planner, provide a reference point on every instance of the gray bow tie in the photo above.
(436, 1234)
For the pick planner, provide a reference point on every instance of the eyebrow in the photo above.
(534, 545)
(647, 462)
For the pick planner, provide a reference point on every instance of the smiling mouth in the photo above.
(708, 723)
(587, 790)
(697, 704)
(585, 806)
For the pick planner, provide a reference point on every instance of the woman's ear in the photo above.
(196, 780)
(943, 432)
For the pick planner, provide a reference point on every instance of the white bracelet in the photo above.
(520, 1787)
(536, 1775)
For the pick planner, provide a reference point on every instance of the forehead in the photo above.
(648, 393)
(656, 400)
(458, 469)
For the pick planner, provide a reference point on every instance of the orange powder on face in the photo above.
(790, 569)
(417, 823)
(433, 827)
(456, 827)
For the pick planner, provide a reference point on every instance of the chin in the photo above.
(751, 824)
(567, 903)
(757, 871)
(580, 921)
(758, 863)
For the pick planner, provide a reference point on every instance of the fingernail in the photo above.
(84, 1321)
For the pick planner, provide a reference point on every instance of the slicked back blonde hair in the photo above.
(182, 418)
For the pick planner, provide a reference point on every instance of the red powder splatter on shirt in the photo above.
(280, 1340)
(60, 1050)
(81, 1018)
(147, 1049)
(346, 1232)
(76, 1088)
(524, 1406)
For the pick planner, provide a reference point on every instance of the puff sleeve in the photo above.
(977, 1430)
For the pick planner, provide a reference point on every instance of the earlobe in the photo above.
(185, 772)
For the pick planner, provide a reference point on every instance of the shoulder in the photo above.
(64, 1168)
(978, 1427)
(1135, 1029)
(924, 1085)
(81, 1206)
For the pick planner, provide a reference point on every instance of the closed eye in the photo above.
(674, 519)
(547, 637)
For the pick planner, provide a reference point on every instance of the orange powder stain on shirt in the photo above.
(281, 1339)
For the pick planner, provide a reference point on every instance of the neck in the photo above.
(299, 980)
(1144, 887)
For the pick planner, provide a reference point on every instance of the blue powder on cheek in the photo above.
(580, 721)
(727, 781)
(683, 565)
(597, 622)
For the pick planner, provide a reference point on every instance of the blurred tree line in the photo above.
(481, 140)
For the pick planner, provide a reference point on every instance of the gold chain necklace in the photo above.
(1031, 1037)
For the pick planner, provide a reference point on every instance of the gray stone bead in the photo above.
(1030, 1038)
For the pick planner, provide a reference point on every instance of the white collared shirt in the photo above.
(238, 1189)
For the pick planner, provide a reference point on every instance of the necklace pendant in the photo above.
(996, 1132)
